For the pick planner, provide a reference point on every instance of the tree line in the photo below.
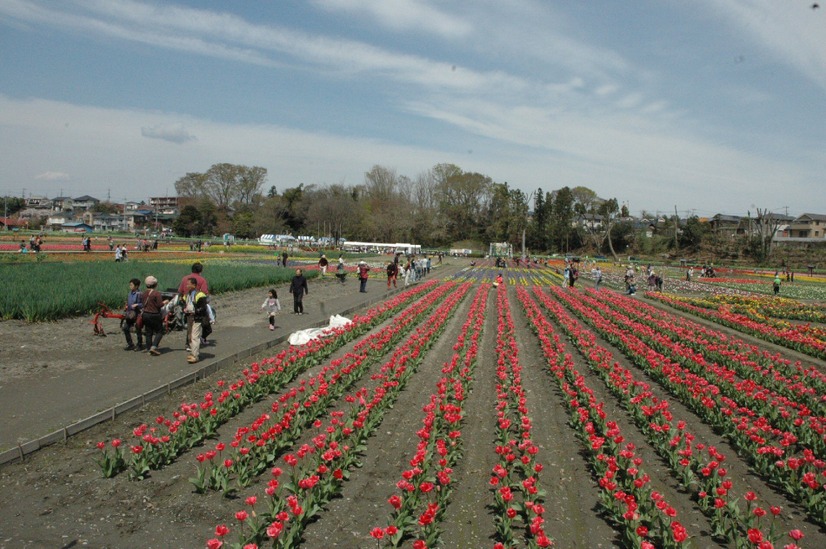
(437, 208)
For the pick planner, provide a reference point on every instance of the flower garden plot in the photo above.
(675, 443)
(705, 399)
(793, 337)
(425, 488)
(445, 419)
(192, 423)
(803, 384)
(316, 472)
(257, 446)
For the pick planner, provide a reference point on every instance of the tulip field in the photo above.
(458, 414)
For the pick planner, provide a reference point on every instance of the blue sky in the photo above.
(710, 105)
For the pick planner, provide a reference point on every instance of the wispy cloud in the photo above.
(174, 133)
(790, 32)
(403, 15)
(52, 176)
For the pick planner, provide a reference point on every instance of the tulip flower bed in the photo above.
(455, 414)
(673, 441)
(192, 423)
(760, 308)
(800, 338)
(295, 502)
(426, 487)
(710, 390)
(257, 446)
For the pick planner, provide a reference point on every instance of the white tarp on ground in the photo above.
(302, 337)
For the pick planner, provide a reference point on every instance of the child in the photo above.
(272, 305)
(132, 316)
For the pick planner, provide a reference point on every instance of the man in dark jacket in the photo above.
(298, 287)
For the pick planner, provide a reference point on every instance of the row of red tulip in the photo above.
(645, 517)
(158, 445)
(704, 476)
(426, 486)
(317, 471)
(745, 421)
(692, 389)
(790, 336)
(795, 394)
(257, 445)
(518, 495)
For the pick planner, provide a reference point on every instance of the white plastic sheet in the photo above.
(302, 337)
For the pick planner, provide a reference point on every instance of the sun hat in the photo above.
(151, 281)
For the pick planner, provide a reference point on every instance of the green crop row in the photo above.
(49, 291)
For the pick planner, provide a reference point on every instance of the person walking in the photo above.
(597, 278)
(322, 264)
(272, 306)
(298, 287)
(153, 303)
(341, 274)
(195, 272)
(195, 312)
(284, 259)
(363, 270)
(132, 316)
(201, 285)
(392, 273)
(777, 282)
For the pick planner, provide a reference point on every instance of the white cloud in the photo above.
(406, 15)
(174, 133)
(628, 156)
(52, 176)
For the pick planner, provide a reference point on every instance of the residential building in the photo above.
(62, 203)
(724, 225)
(162, 204)
(38, 202)
(808, 225)
(84, 202)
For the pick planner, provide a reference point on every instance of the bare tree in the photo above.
(766, 226)
(250, 182)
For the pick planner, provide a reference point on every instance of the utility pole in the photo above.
(676, 227)
(530, 196)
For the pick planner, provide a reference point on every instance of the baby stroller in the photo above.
(173, 312)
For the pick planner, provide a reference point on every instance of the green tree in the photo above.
(693, 234)
(243, 224)
(188, 222)
(13, 204)
(293, 210)
(562, 232)
(192, 185)
(105, 208)
(499, 222)
(538, 228)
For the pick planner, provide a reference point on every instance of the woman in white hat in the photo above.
(363, 270)
(153, 303)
